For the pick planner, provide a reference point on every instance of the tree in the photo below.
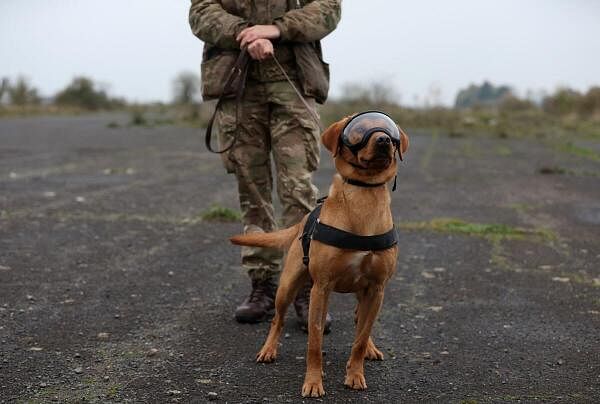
(185, 88)
(22, 93)
(484, 95)
(82, 92)
(4, 86)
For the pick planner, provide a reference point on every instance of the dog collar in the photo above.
(362, 184)
(368, 185)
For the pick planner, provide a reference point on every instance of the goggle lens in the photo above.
(359, 129)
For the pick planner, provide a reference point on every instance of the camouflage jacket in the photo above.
(302, 24)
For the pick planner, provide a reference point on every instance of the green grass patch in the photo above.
(579, 151)
(491, 231)
(221, 214)
(112, 391)
(503, 151)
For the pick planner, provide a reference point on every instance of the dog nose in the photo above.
(383, 140)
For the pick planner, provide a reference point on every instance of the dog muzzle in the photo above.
(359, 129)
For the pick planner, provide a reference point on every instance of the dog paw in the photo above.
(372, 353)
(356, 381)
(266, 355)
(313, 389)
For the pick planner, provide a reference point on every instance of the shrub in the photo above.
(513, 104)
(562, 102)
(82, 93)
(589, 104)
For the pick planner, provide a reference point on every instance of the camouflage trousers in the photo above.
(274, 122)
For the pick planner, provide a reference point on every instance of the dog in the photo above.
(358, 202)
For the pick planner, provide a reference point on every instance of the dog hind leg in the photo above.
(372, 353)
(294, 275)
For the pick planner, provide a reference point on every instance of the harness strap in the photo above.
(309, 230)
(314, 229)
(342, 239)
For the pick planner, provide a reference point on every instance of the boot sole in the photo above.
(268, 316)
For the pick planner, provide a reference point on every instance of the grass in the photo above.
(579, 151)
(221, 214)
(503, 151)
(492, 231)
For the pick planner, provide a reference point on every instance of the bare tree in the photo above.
(4, 86)
(185, 88)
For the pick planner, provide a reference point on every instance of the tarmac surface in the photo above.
(113, 289)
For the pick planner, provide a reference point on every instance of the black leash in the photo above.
(311, 111)
(238, 72)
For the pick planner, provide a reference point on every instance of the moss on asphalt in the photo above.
(493, 231)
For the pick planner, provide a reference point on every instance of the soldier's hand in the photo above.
(251, 34)
(260, 49)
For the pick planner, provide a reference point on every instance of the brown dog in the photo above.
(361, 210)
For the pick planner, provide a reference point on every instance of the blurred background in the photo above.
(468, 64)
(118, 284)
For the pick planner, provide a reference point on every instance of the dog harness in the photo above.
(315, 230)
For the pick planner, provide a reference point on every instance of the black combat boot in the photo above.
(301, 305)
(260, 305)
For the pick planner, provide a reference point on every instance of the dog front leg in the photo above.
(368, 307)
(294, 275)
(313, 381)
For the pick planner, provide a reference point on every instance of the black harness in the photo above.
(315, 230)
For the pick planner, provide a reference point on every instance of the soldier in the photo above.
(274, 121)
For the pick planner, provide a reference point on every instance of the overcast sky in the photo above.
(136, 47)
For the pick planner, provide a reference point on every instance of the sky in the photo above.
(419, 48)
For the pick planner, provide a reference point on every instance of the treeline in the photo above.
(483, 108)
(563, 101)
(478, 108)
(81, 93)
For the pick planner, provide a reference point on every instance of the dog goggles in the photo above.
(359, 129)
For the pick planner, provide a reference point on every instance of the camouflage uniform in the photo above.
(273, 119)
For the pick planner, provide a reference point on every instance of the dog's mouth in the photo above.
(379, 161)
(380, 157)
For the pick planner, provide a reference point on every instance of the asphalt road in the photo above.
(112, 289)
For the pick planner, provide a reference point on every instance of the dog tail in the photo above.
(281, 239)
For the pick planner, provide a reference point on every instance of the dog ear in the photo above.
(403, 141)
(331, 137)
